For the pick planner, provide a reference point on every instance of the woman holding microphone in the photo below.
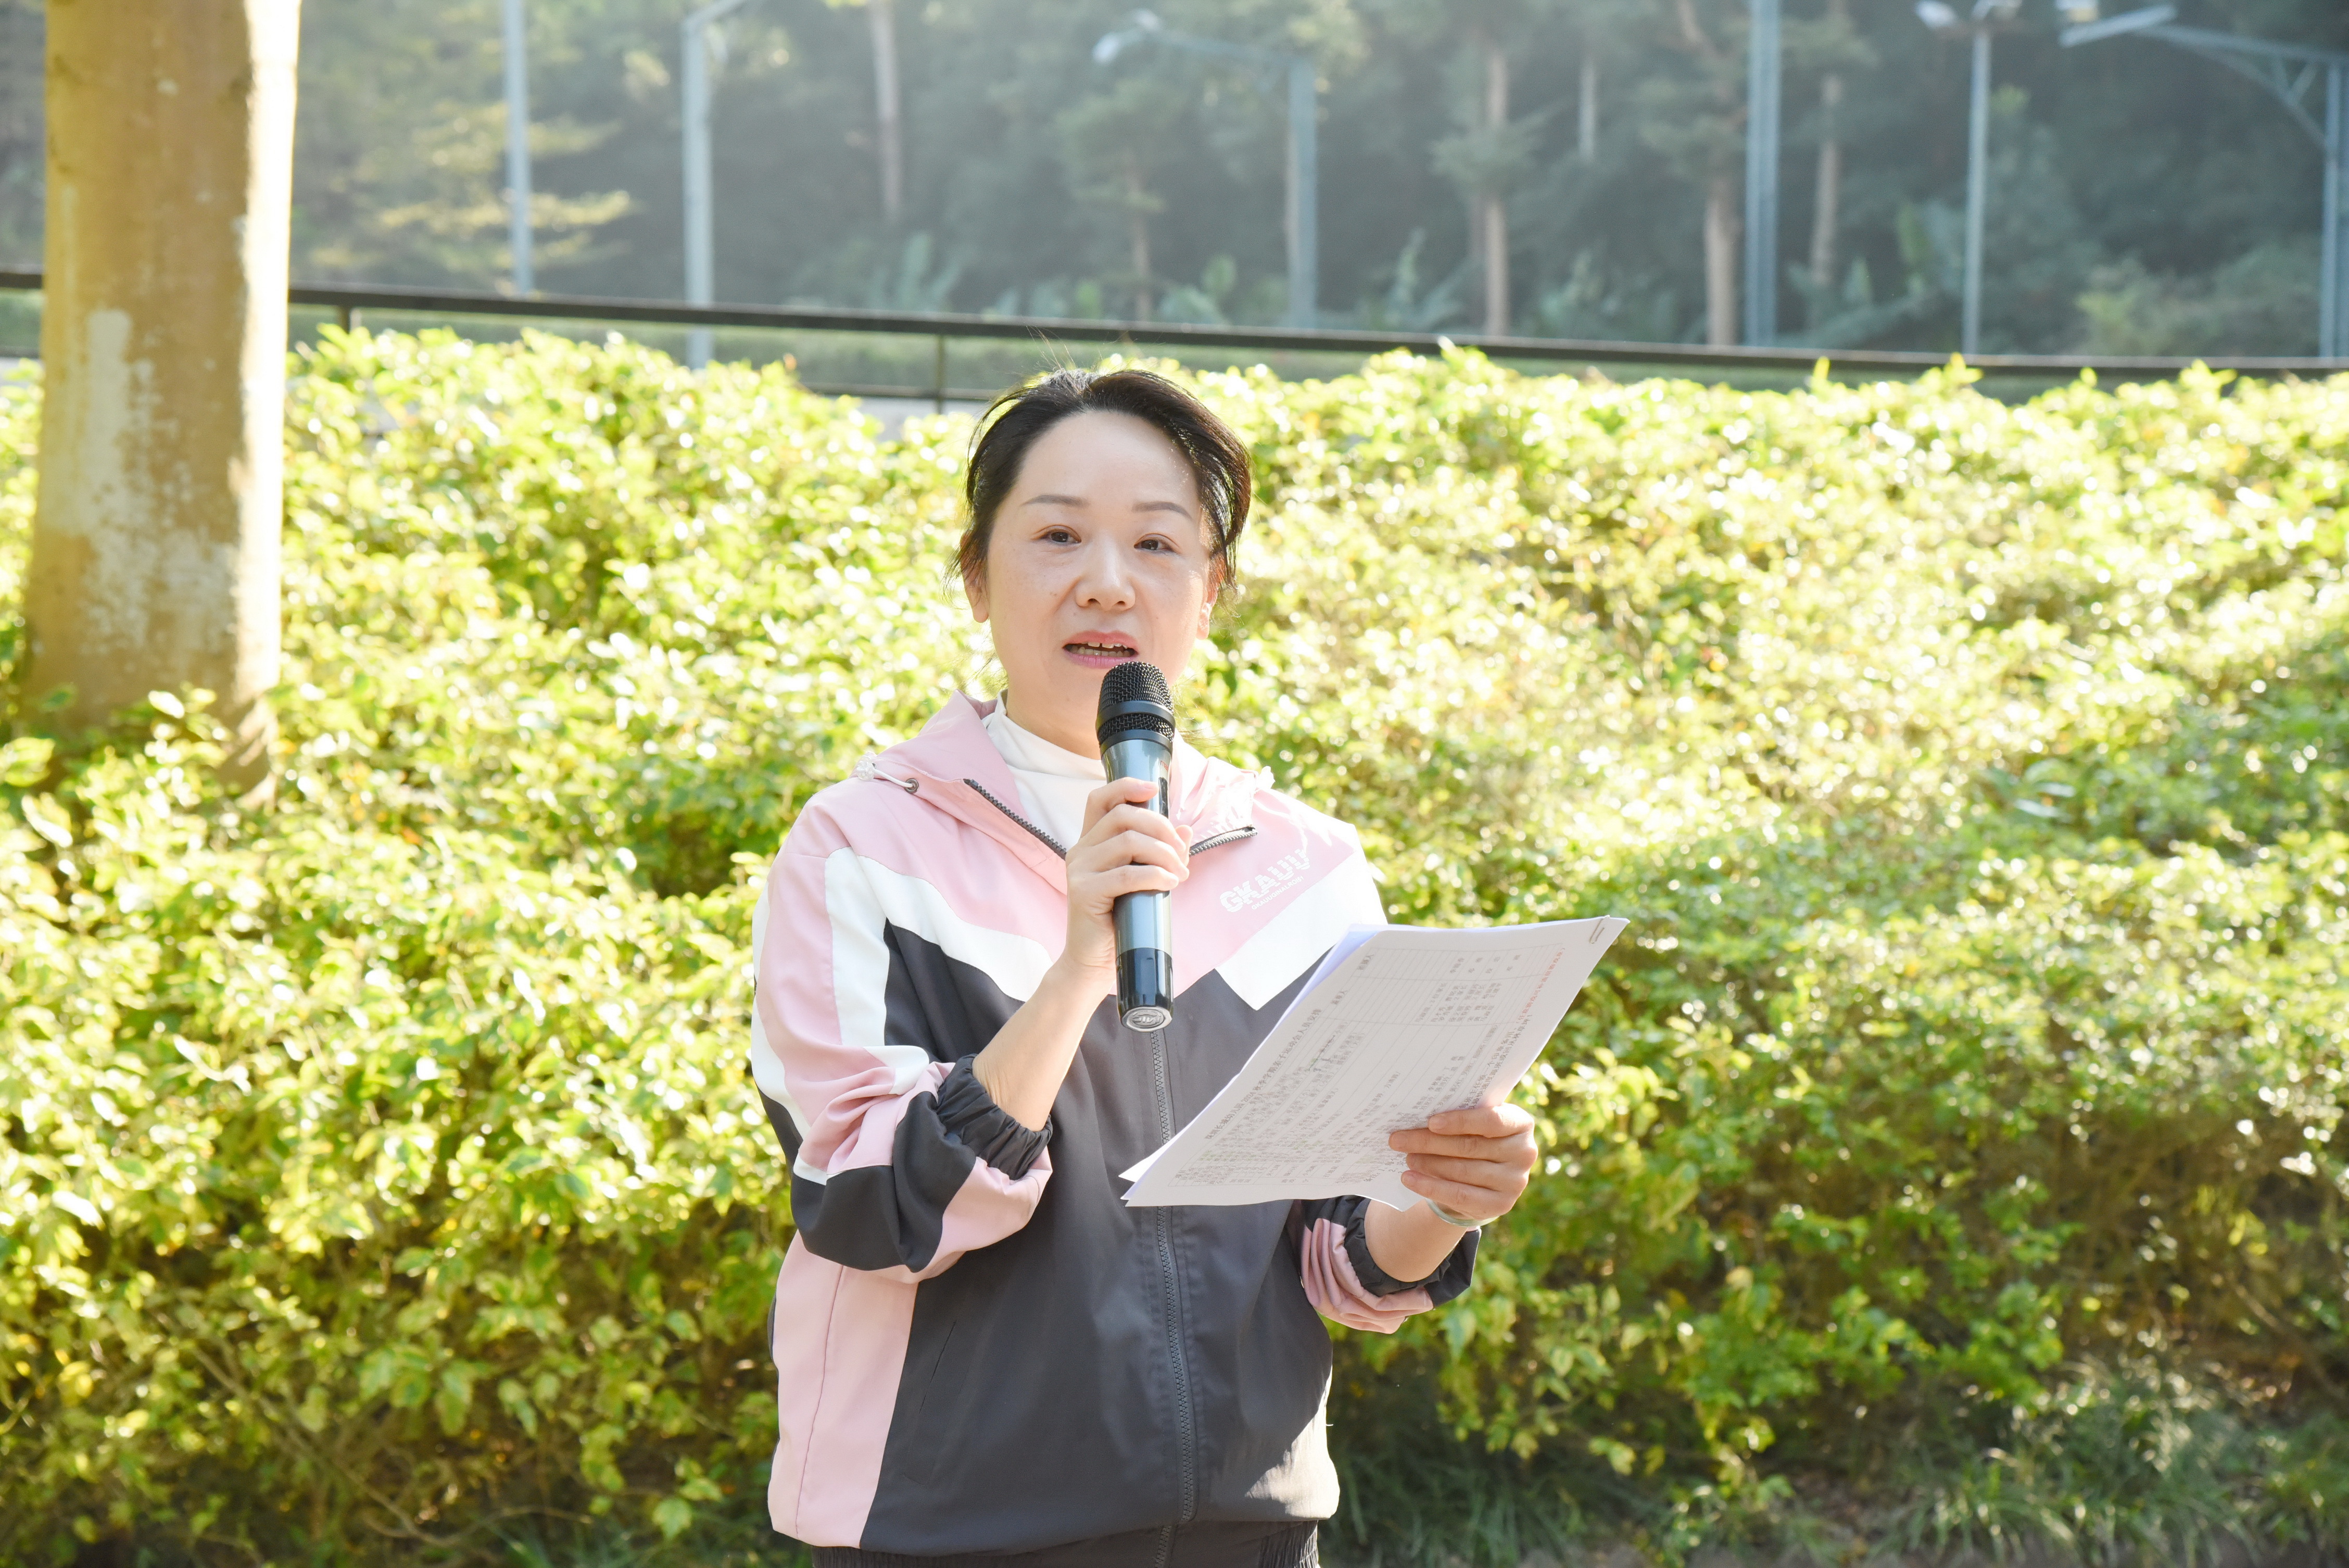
(983, 1356)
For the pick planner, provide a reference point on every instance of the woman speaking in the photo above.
(982, 1354)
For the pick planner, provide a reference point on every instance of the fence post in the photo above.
(938, 377)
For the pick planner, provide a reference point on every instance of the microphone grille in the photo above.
(1133, 696)
(1136, 680)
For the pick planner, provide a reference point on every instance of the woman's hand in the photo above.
(1474, 1162)
(1126, 848)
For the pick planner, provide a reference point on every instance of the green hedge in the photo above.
(379, 1181)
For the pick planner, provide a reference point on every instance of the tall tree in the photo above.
(1491, 154)
(155, 542)
(1490, 194)
(1830, 45)
(20, 134)
(1111, 142)
(888, 104)
(2176, 162)
(1696, 119)
(882, 17)
(1585, 103)
(400, 169)
(1827, 190)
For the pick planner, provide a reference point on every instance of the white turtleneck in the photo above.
(1053, 783)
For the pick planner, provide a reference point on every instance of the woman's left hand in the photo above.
(1474, 1162)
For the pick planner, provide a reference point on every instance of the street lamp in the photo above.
(1987, 16)
(700, 43)
(1763, 78)
(2290, 73)
(518, 145)
(1304, 260)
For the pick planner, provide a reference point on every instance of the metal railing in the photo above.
(350, 306)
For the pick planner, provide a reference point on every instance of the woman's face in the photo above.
(1099, 555)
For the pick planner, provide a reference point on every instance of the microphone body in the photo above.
(1136, 731)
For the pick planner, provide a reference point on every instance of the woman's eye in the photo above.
(1157, 544)
(1059, 536)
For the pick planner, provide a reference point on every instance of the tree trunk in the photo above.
(155, 542)
(1830, 195)
(1828, 198)
(1493, 215)
(1723, 226)
(1585, 140)
(1137, 229)
(882, 15)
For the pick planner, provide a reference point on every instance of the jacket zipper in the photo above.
(1048, 841)
(1162, 1219)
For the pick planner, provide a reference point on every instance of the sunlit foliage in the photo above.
(378, 1175)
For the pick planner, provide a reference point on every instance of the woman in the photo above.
(982, 1354)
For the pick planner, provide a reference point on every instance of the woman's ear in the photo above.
(1215, 586)
(974, 589)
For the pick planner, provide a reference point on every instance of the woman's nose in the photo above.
(1105, 582)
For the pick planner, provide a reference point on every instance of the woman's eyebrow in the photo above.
(1176, 507)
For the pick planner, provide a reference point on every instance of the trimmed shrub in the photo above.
(378, 1175)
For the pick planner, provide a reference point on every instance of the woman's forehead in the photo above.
(1103, 446)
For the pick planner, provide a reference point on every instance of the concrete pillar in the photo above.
(155, 545)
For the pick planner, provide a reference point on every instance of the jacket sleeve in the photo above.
(1346, 1284)
(900, 1161)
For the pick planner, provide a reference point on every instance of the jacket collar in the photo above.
(953, 761)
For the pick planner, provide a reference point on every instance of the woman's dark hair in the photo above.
(1219, 462)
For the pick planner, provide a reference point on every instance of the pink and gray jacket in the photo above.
(979, 1347)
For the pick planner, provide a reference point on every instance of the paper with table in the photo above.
(1398, 1022)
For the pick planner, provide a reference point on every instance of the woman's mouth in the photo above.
(1101, 653)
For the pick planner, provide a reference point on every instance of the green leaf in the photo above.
(672, 1516)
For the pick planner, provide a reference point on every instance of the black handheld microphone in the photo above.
(1136, 730)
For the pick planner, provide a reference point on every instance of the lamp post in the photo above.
(518, 145)
(2291, 73)
(1987, 16)
(1302, 206)
(1764, 75)
(699, 42)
